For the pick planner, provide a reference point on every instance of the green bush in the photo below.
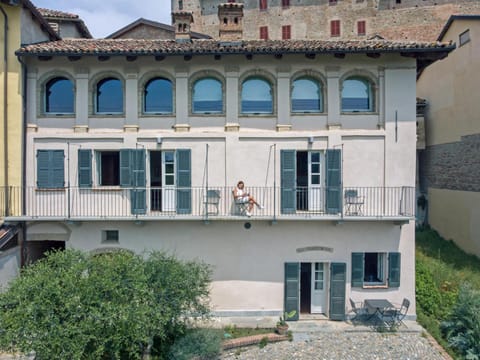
(71, 305)
(201, 344)
(462, 329)
(427, 293)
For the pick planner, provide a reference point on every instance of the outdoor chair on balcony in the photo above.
(353, 202)
(211, 202)
(240, 206)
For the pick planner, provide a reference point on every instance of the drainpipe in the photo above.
(5, 106)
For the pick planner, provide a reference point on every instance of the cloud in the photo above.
(105, 17)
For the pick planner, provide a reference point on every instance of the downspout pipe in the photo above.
(5, 107)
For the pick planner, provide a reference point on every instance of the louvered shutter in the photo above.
(337, 291)
(184, 181)
(84, 168)
(358, 265)
(334, 181)
(288, 181)
(394, 261)
(292, 289)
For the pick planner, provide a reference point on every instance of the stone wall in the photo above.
(453, 166)
(310, 19)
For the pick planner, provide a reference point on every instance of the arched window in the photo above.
(207, 96)
(109, 96)
(306, 96)
(158, 96)
(59, 96)
(257, 96)
(357, 95)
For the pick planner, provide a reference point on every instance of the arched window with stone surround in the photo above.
(109, 96)
(357, 94)
(307, 96)
(59, 96)
(158, 96)
(257, 96)
(207, 96)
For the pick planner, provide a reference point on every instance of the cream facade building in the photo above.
(450, 165)
(139, 145)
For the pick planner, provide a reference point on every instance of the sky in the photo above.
(104, 17)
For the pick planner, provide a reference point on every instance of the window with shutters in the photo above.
(108, 167)
(286, 32)
(50, 169)
(361, 28)
(59, 96)
(262, 4)
(371, 269)
(264, 32)
(335, 28)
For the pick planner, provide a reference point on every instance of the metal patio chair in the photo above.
(353, 202)
(359, 311)
(212, 199)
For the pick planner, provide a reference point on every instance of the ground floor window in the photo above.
(376, 269)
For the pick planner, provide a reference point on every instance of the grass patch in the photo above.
(234, 332)
(441, 268)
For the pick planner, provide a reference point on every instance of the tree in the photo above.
(72, 305)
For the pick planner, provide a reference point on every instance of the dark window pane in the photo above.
(110, 170)
(356, 95)
(207, 96)
(306, 96)
(59, 96)
(159, 96)
(109, 96)
(257, 96)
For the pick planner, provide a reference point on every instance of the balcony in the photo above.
(212, 203)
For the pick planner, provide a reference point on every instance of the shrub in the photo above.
(71, 305)
(201, 344)
(427, 294)
(462, 329)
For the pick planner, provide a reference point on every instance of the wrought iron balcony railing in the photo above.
(213, 202)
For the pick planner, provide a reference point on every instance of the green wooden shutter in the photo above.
(57, 169)
(292, 289)
(358, 265)
(84, 168)
(43, 162)
(50, 169)
(125, 168)
(184, 181)
(337, 291)
(334, 181)
(288, 181)
(394, 260)
(138, 193)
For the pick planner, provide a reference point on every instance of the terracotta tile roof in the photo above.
(49, 13)
(205, 47)
(56, 15)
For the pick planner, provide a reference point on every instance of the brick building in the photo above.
(332, 19)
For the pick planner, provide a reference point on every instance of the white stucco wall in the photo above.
(248, 264)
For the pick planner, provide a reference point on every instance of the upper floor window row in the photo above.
(257, 96)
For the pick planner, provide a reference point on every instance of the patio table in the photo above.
(378, 307)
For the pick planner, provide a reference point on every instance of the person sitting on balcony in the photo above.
(242, 197)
